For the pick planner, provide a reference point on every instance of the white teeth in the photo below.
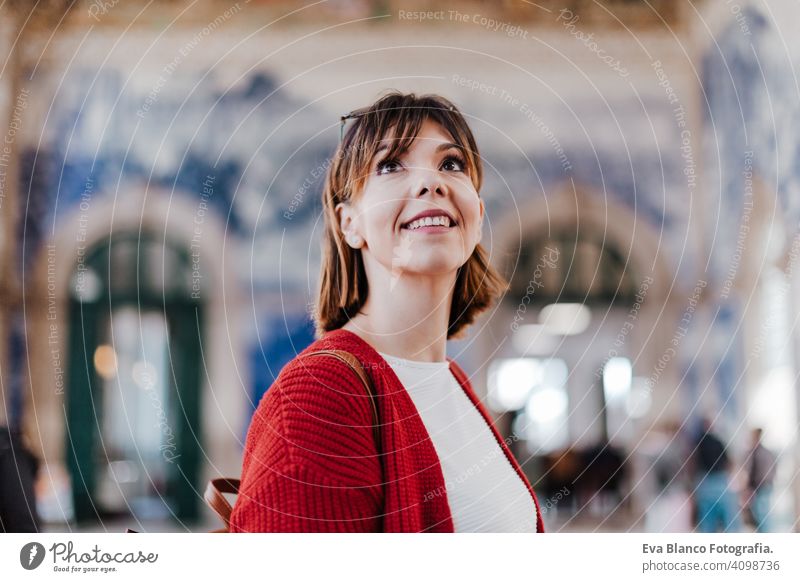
(429, 221)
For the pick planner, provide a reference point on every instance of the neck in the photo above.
(406, 315)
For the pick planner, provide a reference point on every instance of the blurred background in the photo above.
(160, 215)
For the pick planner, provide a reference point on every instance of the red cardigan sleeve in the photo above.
(310, 461)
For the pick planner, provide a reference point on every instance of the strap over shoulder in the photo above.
(358, 368)
(214, 494)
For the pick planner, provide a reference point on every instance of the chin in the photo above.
(434, 266)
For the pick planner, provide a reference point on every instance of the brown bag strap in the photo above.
(216, 500)
(217, 487)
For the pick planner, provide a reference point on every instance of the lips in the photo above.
(433, 217)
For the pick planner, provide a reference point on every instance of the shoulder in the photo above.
(312, 379)
(317, 410)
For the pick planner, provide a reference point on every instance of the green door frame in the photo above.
(184, 316)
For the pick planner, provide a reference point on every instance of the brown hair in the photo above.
(343, 281)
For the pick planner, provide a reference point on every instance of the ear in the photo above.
(347, 223)
(344, 213)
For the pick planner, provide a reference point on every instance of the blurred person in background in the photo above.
(715, 502)
(667, 447)
(18, 471)
(761, 463)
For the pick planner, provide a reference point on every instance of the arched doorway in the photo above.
(569, 297)
(133, 408)
(587, 284)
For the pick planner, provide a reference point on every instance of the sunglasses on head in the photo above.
(352, 115)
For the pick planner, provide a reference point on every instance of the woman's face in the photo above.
(430, 176)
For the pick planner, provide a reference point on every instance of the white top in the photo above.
(483, 490)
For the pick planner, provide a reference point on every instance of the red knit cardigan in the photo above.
(310, 461)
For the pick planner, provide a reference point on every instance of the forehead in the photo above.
(430, 134)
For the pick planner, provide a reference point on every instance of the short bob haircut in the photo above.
(343, 284)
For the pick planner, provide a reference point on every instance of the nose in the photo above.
(430, 183)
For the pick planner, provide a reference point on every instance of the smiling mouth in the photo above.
(430, 224)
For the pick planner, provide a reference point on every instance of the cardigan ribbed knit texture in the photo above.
(310, 459)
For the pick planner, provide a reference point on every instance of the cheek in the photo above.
(472, 215)
(379, 225)
(384, 215)
(471, 212)
(377, 212)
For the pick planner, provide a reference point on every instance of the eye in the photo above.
(387, 166)
(454, 164)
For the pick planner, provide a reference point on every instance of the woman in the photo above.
(402, 272)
